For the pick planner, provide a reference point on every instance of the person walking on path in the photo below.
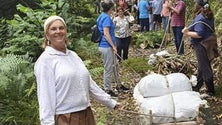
(178, 9)
(64, 84)
(199, 32)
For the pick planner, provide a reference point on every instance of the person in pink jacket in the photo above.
(178, 8)
(165, 13)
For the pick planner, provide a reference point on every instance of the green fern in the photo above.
(18, 104)
(11, 62)
(3, 32)
(96, 71)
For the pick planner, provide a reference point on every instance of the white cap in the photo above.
(51, 19)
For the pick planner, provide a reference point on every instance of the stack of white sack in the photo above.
(153, 57)
(168, 97)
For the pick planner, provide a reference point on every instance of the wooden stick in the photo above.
(151, 117)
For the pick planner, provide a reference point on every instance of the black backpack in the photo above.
(96, 34)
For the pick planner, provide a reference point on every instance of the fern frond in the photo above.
(11, 62)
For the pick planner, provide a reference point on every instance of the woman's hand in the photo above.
(170, 4)
(117, 106)
(189, 33)
(185, 30)
(114, 49)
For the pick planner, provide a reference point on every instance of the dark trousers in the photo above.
(205, 73)
(122, 47)
(144, 23)
(178, 35)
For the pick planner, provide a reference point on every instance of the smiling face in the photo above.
(56, 34)
(120, 12)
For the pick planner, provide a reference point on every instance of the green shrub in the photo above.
(148, 39)
(139, 65)
(18, 104)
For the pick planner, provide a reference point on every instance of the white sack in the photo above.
(154, 84)
(178, 82)
(184, 104)
(187, 104)
(160, 106)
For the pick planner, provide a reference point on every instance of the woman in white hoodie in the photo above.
(64, 85)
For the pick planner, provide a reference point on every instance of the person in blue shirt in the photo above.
(198, 32)
(144, 8)
(107, 48)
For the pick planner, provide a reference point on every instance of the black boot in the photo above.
(112, 94)
(121, 88)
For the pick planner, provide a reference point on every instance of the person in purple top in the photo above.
(199, 32)
(178, 9)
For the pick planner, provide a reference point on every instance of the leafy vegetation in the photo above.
(4, 32)
(18, 91)
(147, 39)
(20, 46)
(139, 65)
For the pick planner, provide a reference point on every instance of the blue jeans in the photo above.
(178, 35)
(165, 22)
